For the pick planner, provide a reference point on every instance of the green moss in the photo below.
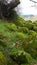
(2, 59)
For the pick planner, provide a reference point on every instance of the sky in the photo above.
(27, 7)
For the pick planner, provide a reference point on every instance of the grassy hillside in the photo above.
(18, 41)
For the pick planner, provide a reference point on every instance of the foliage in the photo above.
(2, 59)
(18, 41)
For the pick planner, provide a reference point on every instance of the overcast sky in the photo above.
(27, 7)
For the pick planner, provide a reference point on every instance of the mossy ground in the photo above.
(18, 41)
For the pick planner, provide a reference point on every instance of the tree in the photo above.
(6, 6)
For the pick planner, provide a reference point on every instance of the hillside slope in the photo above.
(18, 41)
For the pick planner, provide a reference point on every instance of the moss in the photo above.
(2, 59)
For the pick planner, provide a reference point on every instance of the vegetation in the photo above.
(18, 41)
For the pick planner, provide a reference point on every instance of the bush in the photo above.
(21, 57)
(11, 27)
